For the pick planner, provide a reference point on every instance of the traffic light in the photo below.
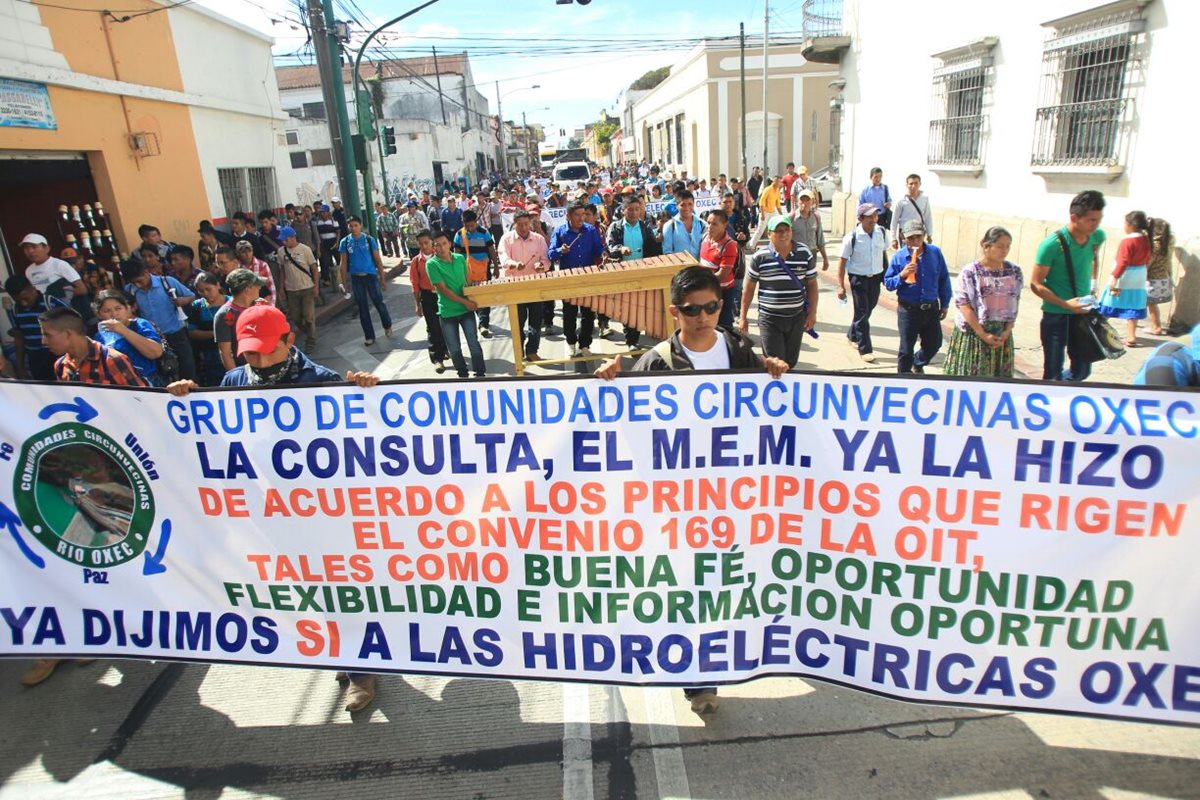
(389, 140)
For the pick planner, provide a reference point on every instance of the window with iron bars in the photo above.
(958, 120)
(1091, 76)
(262, 187)
(233, 189)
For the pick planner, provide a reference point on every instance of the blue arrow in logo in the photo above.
(153, 564)
(81, 408)
(10, 520)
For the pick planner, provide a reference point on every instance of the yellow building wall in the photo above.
(166, 190)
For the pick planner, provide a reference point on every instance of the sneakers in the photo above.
(484, 332)
(439, 366)
(705, 702)
(603, 331)
(868, 357)
(387, 332)
(547, 330)
(42, 669)
(360, 691)
(919, 369)
(580, 352)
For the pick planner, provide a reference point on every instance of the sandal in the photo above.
(1157, 332)
(1128, 343)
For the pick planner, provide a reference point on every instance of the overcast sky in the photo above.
(575, 87)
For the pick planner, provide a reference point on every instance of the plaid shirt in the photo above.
(386, 222)
(262, 270)
(102, 365)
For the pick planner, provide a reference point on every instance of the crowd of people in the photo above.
(172, 310)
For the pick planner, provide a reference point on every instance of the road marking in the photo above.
(669, 769)
(577, 742)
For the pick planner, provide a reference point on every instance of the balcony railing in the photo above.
(1080, 134)
(822, 18)
(956, 141)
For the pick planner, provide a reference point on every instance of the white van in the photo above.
(570, 172)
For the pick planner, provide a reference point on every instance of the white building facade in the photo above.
(442, 125)
(1006, 116)
(692, 120)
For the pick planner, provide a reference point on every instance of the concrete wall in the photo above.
(1009, 191)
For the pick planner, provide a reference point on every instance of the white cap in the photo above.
(34, 238)
(336, 200)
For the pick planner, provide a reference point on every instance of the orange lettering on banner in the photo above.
(226, 503)
(494, 499)
(375, 536)
(1095, 515)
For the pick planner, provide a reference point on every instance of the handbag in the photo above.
(1094, 338)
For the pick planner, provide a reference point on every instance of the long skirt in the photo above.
(969, 356)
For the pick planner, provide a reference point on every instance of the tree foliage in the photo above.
(651, 79)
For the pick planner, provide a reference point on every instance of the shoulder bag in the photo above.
(1091, 333)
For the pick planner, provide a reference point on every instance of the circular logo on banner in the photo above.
(83, 496)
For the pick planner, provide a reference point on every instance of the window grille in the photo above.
(1091, 76)
(233, 190)
(262, 187)
(961, 96)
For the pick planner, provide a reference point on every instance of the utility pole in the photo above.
(500, 127)
(742, 40)
(316, 21)
(343, 116)
(766, 37)
(438, 74)
(525, 127)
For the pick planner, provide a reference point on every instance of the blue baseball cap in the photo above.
(287, 232)
(324, 207)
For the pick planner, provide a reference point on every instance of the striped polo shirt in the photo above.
(25, 319)
(778, 294)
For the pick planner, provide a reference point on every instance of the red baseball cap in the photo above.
(259, 329)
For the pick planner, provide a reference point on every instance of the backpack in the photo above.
(166, 365)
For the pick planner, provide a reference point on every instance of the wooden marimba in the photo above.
(634, 293)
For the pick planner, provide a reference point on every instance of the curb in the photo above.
(336, 304)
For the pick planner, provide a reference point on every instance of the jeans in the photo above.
(181, 343)
(433, 326)
(1056, 338)
(864, 290)
(781, 336)
(529, 317)
(548, 313)
(368, 292)
(915, 324)
(450, 329)
(731, 299)
(587, 324)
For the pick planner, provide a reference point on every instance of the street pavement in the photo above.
(135, 729)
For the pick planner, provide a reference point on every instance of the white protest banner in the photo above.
(557, 216)
(999, 544)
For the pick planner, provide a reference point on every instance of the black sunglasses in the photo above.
(711, 307)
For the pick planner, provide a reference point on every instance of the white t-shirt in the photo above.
(715, 357)
(49, 271)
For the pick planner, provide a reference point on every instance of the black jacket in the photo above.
(741, 354)
(616, 240)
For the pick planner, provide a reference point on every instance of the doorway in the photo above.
(32, 187)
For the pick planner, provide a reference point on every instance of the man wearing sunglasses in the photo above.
(698, 343)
